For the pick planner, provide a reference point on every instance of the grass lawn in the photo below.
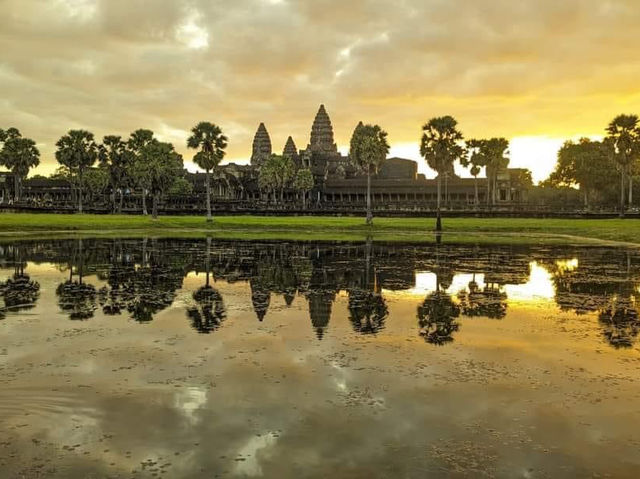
(328, 228)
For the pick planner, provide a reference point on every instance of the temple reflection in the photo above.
(140, 278)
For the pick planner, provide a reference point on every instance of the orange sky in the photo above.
(537, 72)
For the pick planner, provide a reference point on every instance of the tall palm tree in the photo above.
(368, 150)
(209, 139)
(77, 151)
(19, 155)
(440, 147)
(623, 137)
(475, 161)
(163, 165)
(136, 143)
(495, 152)
(303, 183)
(117, 158)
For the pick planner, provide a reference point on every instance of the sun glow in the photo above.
(538, 287)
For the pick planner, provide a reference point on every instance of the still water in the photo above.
(203, 358)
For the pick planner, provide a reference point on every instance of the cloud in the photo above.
(528, 68)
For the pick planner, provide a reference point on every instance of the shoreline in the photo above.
(615, 232)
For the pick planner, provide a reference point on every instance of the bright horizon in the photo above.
(535, 72)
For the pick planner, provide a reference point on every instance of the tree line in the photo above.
(596, 167)
(442, 144)
(154, 168)
(144, 163)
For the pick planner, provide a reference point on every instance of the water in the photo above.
(192, 358)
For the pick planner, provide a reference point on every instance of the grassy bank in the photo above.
(327, 228)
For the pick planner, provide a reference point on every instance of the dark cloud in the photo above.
(501, 67)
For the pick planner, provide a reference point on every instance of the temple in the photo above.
(338, 185)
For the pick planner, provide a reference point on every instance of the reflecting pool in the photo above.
(190, 358)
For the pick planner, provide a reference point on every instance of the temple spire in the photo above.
(290, 150)
(261, 146)
(322, 133)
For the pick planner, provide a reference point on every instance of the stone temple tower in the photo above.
(291, 151)
(322, 134)
(261, 146)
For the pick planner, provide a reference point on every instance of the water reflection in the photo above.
(209, 311)
(139, 278)
(19, 292)
(76, 297)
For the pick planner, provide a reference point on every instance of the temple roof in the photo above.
(322, 133)
(261, 145)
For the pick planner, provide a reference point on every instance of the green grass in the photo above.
(520, 230)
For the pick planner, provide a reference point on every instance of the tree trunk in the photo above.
(630, 190)
(113, 200)
(207, 265)
(144, 202)
(493, 189)
(439, 183)
(81, 262)
(80, 195)
(446, 190)
(209, 219)
(586, 199)
(16, 188)
(475, 182)
(121, 200)
(621, 192)
(488, 188)
(369, 214)
(304, 200)
(154, 211)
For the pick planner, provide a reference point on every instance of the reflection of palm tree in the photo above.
(153, 289)
(437, 314)
(367, 311)
(76, 298)
(620, 323)
(436, 318)
(145, 290)
(210, 311)
(367, 307)
(19, 292)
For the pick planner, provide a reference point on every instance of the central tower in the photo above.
(322, 134)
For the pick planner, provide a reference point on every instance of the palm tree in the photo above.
(209, 139)
(368, 150)
(276, 173)
(136, 143)
(163, 165)
(19, 155)
(475, 161)
(117, 158)
(623, 137)
(440, 147)
(303, 183)
(77, 151)
(495, 151)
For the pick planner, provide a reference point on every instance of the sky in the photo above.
(535, 71)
